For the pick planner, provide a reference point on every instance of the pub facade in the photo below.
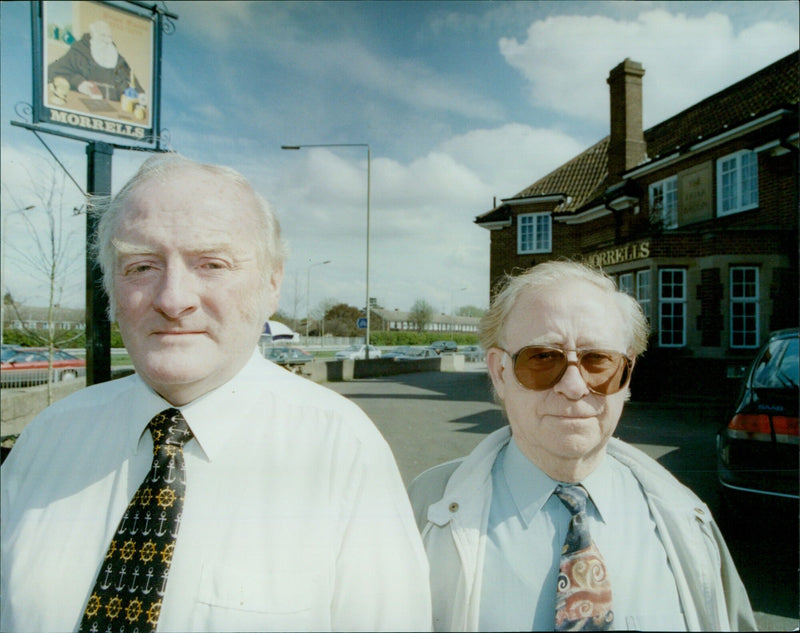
(696, 217)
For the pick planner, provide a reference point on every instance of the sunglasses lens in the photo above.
(604, 372)
(540, 368)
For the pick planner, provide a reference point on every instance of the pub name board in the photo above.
(619, 255)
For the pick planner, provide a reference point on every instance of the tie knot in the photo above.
(573, 497)
(169, 427)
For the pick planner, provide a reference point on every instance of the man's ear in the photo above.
(273, 294)
(498, 371)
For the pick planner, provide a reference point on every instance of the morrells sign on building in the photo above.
(619, 255)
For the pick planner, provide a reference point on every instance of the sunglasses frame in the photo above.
(628, 363)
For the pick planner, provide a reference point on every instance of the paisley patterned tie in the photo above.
(130, 585)
(583, 594)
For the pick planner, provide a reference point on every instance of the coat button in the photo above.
(453, 507)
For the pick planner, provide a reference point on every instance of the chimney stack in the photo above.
(626, 146)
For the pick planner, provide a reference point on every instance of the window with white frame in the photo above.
(664, 201)
(626, 283)
(744, 306)
(672, 307)
(534, 233)
(737, 182)
(643, 291)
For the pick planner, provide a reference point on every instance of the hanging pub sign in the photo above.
(95, 68)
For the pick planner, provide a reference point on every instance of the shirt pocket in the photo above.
(250, 600)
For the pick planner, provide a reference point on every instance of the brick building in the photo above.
(696, 217)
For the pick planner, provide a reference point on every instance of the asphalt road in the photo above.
(430, 418)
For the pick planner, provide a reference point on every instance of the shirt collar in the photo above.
(531, 488)
(209, 416)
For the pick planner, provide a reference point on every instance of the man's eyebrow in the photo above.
(129, 248)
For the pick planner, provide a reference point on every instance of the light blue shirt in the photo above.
(527, 527)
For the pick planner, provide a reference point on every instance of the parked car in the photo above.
(472, 353)
(444, 346)
(401, 350)
(292, 358)
(417, 353)
(757, 451)
(358, 352)
(25, 366)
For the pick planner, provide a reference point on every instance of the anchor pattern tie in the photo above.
(583, 593)
(130, 585)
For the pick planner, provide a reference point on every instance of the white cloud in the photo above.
(567, 59)
(424, 240)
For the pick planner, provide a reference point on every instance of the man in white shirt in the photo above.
(294, 515)
(505, 546)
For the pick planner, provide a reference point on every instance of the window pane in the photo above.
(744, 308)
(626, 283)
(749, 170)
(542, 233)
(643, 285)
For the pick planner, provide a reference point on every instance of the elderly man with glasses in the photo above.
(550, 523)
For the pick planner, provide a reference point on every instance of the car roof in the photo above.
(788, 332)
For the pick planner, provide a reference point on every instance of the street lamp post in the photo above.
(3, 268)
(308, 291)
(369, 162)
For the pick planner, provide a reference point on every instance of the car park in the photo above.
(472, 353)
(757, 450)
(26, 366)
(358, 352)
(292, 358)
(444, 346)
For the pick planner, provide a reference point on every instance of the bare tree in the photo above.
(421, 314)
(52, 251)
(318, 314)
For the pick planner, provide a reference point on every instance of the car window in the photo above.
(778, 366)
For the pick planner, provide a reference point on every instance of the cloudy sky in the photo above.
(460, 102)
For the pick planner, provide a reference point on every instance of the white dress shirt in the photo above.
(295, 516)
(527, 528)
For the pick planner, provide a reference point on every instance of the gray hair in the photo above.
(109, 210)
(553, 273)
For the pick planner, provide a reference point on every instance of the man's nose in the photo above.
(572, 385)
(176, 295)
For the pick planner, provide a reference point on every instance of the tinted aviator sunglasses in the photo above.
(538, 367)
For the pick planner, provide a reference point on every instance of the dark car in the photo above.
(757, 451)
(291, 358)
(24, 366)
(401, 350)
(444, 346)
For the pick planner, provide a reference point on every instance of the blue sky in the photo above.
(460, 102)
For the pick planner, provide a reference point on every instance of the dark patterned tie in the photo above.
(583, 594)
(130, 585)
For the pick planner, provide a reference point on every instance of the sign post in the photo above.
(98, 326)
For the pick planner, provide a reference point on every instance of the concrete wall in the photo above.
(20, 406)
(339, 370)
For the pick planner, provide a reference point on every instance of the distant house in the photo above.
(33, 318)
(696, 217)
(402, 321)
